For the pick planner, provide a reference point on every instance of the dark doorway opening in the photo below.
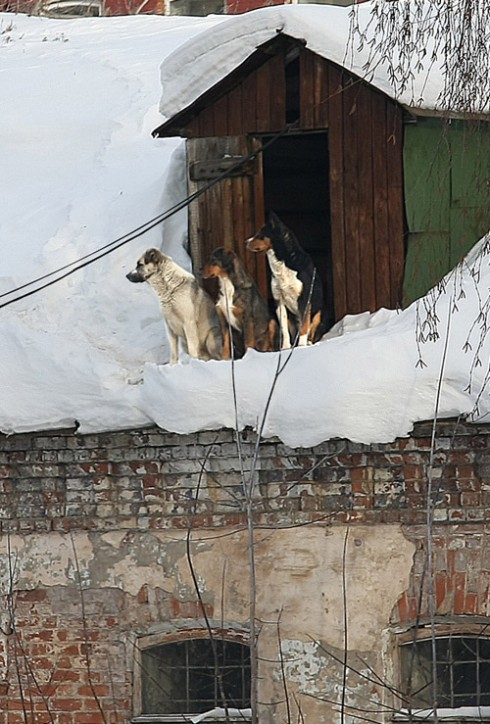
(296, 188)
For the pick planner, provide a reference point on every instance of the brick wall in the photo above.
(151, 479)
(64, 647)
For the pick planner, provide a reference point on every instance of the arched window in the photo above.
(193, 674)
(459, 664)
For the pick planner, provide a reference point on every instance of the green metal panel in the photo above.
(426, 165)
(447, 197)
(467, 226)
(426, 262)
(470, 156)
(470, 186)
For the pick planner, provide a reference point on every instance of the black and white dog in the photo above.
(295, 285)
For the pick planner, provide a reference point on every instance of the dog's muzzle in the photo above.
(248, 243)
(135, 276)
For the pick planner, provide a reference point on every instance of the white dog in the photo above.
(188, 310)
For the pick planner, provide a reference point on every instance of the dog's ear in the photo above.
(240, 273)
(229, 257)
(220, 254)
(152, 256)
(273, 219)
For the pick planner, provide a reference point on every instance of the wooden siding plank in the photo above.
(214, 228)
(238, 211)
(381, 211)
(220, 117)
(395, 202)
(228, 189)
(321, 92)
(234, 111)
(366, 151)
(337, 197)
(249, 107)
(306, 90)
(263, 97)
(248, 221)
(197, 211)
(194, 212)
(278, 93)
(351, 194)
(205, 122)
(257, 219)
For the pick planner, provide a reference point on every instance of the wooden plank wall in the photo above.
(226, 214)
(365, 157)
(256, 105)
(366, 194)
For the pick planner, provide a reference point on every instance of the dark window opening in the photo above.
(462, 672)
(196, 7)
(296, 188)
(64, 9)
(187, 677)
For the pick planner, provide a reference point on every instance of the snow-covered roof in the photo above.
(415, 75)
(81, 169)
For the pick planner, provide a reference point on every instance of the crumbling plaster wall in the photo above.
(299, 574)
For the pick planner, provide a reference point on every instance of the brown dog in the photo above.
(240, 304)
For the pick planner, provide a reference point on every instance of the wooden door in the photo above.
(230, 209)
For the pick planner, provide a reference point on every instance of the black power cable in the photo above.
(108, 248)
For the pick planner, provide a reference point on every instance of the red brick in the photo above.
(403, 608)
(36, 594)
(471, 603)
(66, 704)
(441, 588)
(190, 609)
(71, 650)
(95, 690)
(413, 607)
(95, 717)
(470, 499)
(459, 592)
(66, 675)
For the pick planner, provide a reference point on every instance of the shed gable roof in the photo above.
(175, 124)
(219, 52)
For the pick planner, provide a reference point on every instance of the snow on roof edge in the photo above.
(209, 57)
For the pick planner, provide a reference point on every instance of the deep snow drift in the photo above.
(79, 170)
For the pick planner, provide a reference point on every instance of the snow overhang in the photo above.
(217, 55)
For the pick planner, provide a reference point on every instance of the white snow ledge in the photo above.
(218, 714)
(369, 384)
(461, 713)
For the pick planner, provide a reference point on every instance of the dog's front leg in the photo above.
(226, 333)
(282, 315)
(193, 346)
(174, 347)
(304, 328)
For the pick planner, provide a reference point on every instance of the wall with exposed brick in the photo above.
(99, 534)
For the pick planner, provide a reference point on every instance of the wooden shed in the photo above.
(343, 164)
